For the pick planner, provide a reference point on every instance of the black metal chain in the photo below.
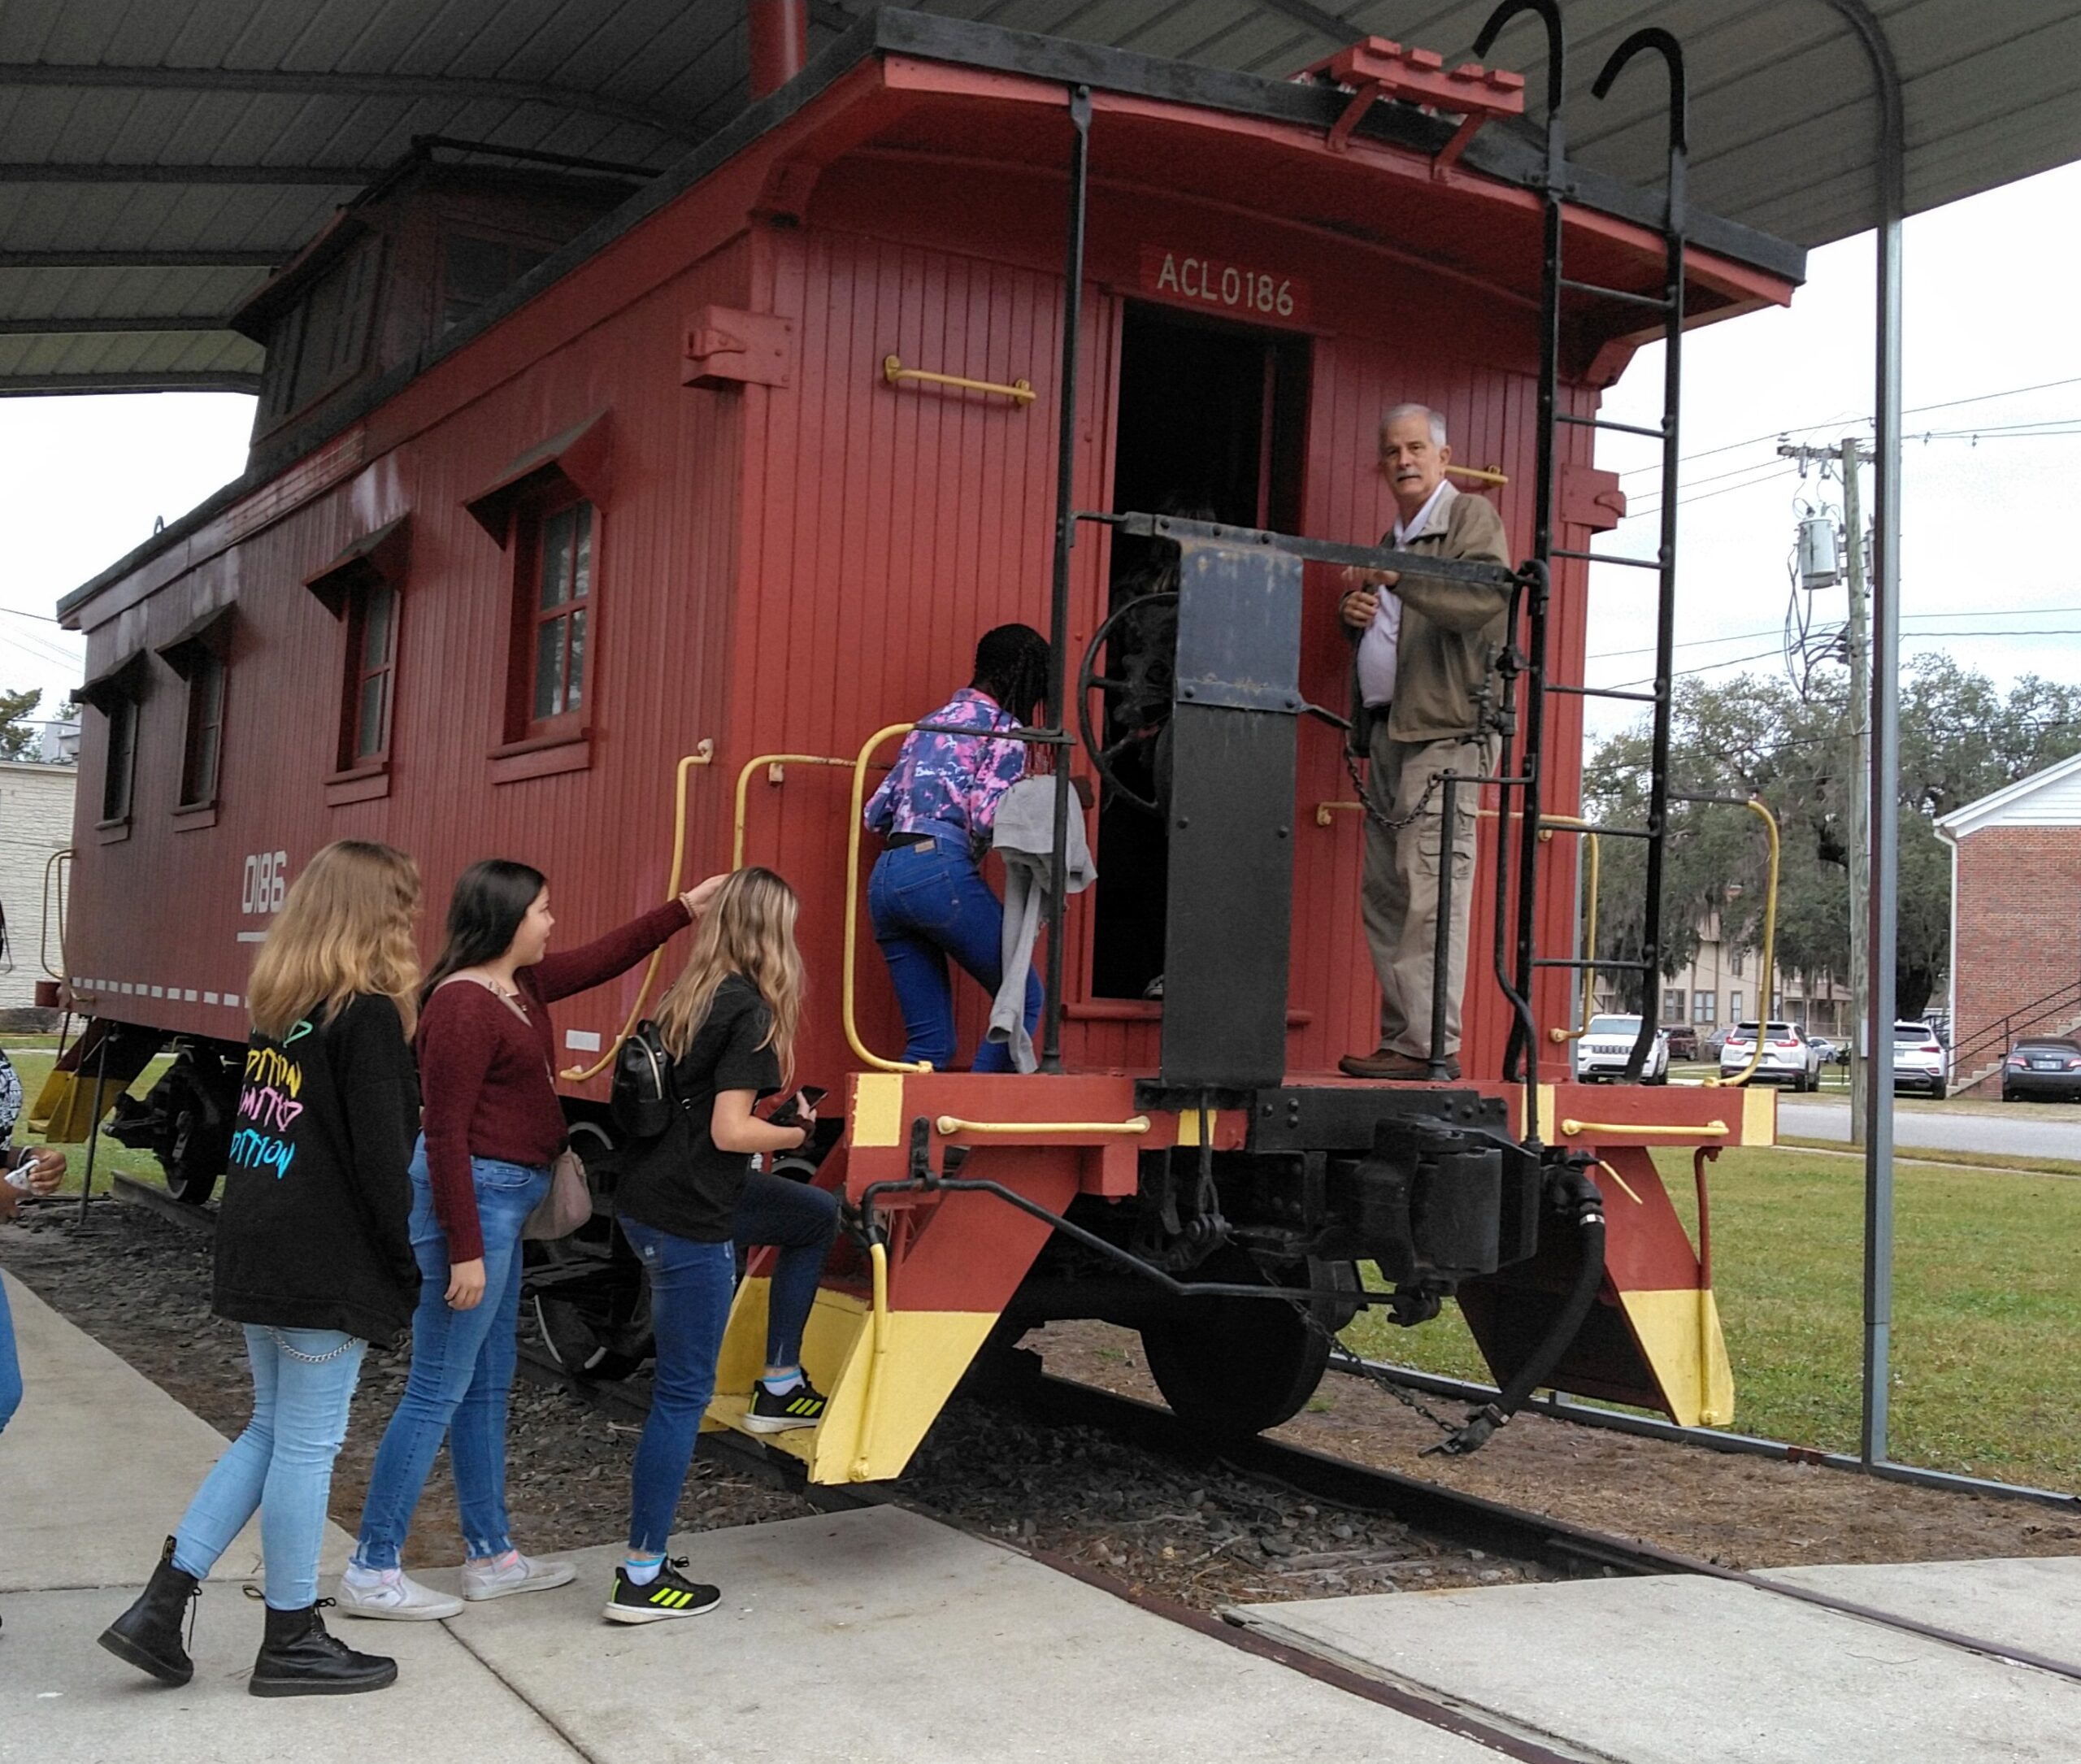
(1372, 814)
(1355, 1362)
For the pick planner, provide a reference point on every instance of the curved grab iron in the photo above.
(1653, 36)
(1549, 13)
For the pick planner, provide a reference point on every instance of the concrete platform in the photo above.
(1675, 1669)
(865, 1637)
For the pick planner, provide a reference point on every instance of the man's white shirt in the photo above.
(1379, 648)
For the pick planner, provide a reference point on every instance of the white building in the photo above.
(36, 821)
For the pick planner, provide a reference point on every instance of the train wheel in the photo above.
(1230, 1367)
(196, 1148)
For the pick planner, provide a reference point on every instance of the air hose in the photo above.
(1574, 1193)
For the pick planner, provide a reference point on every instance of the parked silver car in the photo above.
(1788, 1056)
(1601, 1054)
(1919, 1061)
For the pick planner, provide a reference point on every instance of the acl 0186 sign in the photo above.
(1238, 290)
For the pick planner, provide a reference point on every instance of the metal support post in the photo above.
(1858, 637)
(1058, 617)
(94, 1128)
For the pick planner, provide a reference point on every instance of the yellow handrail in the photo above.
(1479, 474)
(1133, 1127)
(870, 1399)
(1020, 391)
(703, 755)
(1769, 953)
(1633, 1130)
(852, 907)
(56, 860)
(775, 761)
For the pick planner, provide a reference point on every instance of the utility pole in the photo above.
(1849, 456)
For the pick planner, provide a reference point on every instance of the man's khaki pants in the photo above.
(1399, 894)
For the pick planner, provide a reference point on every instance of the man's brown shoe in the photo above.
(1395, 1067)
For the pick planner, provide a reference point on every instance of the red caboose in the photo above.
(620, 567)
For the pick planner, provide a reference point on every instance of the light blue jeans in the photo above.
(462, 1371)
(281, 1466)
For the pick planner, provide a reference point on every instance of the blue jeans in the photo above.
(11, 1367)
(462, 1371)
(928, 902)
(691, 1286)
(303, 1379)
(800, 1220)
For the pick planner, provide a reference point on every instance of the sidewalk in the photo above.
(854, 1639)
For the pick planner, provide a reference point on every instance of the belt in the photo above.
(901, 841)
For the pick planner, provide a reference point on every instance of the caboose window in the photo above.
(558, 575)
(122, 762)
(205, 724)
(372, 665)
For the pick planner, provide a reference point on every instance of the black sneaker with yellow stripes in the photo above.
(772, 1413)
(670, 1595)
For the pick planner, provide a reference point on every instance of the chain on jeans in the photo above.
(312, 1359)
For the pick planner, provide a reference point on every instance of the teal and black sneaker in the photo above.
(800, 1407)
(669, 1595)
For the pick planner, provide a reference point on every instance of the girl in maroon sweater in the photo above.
(491, 1127)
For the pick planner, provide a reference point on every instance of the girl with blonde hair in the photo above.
(313, 1256)
(729, 1022)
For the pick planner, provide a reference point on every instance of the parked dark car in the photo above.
(1682, 1040)
(1709, 1048)
(2043, 1069)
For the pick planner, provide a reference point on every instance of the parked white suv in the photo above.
(1601, 1055)
(1919, 1061)
(1788, 1056)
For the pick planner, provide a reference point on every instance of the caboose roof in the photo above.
(1155, 102)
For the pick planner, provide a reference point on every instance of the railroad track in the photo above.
(1444, 1513)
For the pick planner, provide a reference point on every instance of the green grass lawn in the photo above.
(1987, 1312)
(33, 1056)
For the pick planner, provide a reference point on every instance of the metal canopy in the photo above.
(155, 162)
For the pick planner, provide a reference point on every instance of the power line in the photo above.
(16, 612)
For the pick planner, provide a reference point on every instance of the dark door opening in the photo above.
(1212, 425)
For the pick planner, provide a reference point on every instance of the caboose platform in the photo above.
(881, 1636)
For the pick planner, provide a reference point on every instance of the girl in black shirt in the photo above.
(314, 1255)
(729, 1022)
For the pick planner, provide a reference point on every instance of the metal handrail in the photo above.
(847, 989)
(1755, 806)
(2021, 1017)
(1020, 391)
(703, 755)
(58, 860)
(774, 762)
(948, 1126)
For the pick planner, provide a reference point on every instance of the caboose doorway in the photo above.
(1210, 425)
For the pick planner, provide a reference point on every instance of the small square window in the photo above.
(1705, 1007)
(553, 624)
(203, 749)
(1672, 1005)
(372, 675)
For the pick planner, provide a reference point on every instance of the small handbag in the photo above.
(567, 1205)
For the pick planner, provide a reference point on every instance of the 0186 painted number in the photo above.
(1241, 288)
(265, 882)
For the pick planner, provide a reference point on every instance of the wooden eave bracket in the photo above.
(726, 347)
(1374, 68)
(208, 633)
(581, 457)
(378, 555)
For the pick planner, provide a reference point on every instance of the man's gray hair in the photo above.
(1435, 418)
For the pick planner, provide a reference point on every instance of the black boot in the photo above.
(148, 1635)
(300, 1659)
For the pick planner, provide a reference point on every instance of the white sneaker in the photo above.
(393, 1594)
(511, 1573)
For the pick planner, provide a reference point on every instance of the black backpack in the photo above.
(643, 1100)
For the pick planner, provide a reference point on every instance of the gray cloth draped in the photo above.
(1025, 836)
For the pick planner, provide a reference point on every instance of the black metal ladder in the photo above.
(1520, 1058)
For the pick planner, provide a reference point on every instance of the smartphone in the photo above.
(789, 1113)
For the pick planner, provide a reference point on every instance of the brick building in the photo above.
(36, 819)
(2015, 919)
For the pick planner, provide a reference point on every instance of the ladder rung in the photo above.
(1617, 832)
(1599, 557)
(1617, 428)
(1660, 303)
(1581, 962)
(1607, 692)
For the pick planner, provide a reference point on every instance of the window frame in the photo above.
(1734, 1007)
(1672, 1004)
(114, 813)
(208, 668)
(357, 674)
(1705, 1006)
(532, 514)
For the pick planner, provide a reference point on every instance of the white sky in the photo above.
(1989, 309)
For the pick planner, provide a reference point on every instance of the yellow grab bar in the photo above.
(1020, 391)
(744, 780)
(1479, 474)
(1633, 1130)
(860, 763)
(1769, 953)
(864, 1441)
(704, 754)
(948, 1125)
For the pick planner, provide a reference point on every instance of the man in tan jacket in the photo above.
(1426, 668)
